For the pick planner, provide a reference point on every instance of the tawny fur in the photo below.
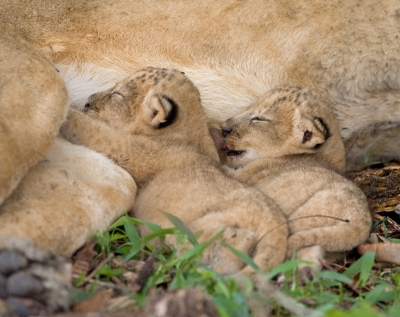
(234, 51)
(287, 144)
(33, 103)
(68, 195)
(153, 125)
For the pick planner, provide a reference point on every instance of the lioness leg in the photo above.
(33, 102)
(66, 197)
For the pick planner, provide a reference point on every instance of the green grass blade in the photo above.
(394, 311)
(243, 256)
(197, 251)
(106, 271)
(151, 226)
(363, 267)
(181, 227)
(137, 246)
(296, 308)
(379, 294)
(131, 232)
(285, 267)
(335, 276)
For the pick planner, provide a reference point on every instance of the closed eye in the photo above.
(116, 93)
(257, 118)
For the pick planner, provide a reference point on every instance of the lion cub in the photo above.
(288, 145)
(153, 125)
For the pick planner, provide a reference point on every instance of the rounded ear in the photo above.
(157, 109)
(312, 133)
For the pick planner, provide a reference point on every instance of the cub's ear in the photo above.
(159, 111)
(312, 133)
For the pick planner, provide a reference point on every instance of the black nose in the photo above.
(225, 132)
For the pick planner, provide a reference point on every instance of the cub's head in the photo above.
(155, 102)
(285, 121)
(147, 101)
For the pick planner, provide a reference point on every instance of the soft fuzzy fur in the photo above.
(287, 144)
(234, 51)
(153, 125)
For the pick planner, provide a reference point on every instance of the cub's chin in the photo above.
(237, 158)
(240, 158)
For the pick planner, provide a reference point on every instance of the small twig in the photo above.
(340, 268)
(145, 271)
(109, 285)
(93, 273)
(120, 284)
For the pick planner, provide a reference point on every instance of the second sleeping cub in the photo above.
(288, 145)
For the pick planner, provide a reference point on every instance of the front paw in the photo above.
(220, 258)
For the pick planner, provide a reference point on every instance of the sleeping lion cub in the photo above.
(153, 125)
(288, 145)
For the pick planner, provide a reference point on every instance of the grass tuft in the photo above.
(355, 289)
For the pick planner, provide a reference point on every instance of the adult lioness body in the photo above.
(234, 51)
(288, 145)
(153, 125)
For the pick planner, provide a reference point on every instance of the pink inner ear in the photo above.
(307, 136)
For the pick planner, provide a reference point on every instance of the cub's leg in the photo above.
(313, 254)
(352, 226)
(79, 128)
(254, 226)
(217, 255)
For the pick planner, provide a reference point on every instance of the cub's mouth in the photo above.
(229, 152)
(234, 153)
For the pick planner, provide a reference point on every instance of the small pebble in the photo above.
(11, 262)
(23, 284)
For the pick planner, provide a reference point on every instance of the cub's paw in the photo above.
(32, 281)
(221, 259)
(314, 255)
(180, 303)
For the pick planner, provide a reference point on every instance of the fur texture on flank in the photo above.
(68, 195)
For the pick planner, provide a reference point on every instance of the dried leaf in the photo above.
(385, 252)
(97, 303)
(122, 303)
(83, 259)
(145, 271)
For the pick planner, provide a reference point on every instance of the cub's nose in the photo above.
(226, 131)
(89, 102)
